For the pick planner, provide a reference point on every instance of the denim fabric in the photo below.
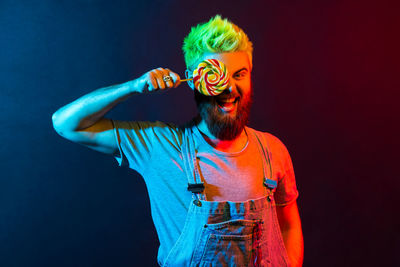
(228, 233)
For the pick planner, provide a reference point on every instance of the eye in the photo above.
(240, 75)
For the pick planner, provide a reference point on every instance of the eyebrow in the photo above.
(244, 68)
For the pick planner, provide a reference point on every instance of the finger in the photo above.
(169, 82)
(175, 78)
(152, 81)
(159, 76)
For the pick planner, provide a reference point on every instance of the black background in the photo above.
(325, 78)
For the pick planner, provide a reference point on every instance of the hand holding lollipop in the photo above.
(210, 77)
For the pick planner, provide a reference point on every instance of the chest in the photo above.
(232, 178)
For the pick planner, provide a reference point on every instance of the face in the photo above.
(227, 113)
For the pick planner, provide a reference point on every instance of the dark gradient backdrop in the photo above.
(325, 78)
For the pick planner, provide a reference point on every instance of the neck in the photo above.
(234, 145)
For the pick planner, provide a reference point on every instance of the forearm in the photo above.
(293, 239)
(290, 225)
(88, 109)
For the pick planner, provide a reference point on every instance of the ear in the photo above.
(188, 75)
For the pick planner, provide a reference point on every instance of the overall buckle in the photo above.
(196, 188)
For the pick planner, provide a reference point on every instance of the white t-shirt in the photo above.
(153, 149)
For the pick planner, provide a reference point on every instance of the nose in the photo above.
(231, 89)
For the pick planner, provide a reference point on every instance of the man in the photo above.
(221, 193)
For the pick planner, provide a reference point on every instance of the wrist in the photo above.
(131, 87)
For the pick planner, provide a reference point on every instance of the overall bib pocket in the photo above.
(231, 243)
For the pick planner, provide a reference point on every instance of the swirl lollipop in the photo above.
(210, 77)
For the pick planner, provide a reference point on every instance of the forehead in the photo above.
(233, 60)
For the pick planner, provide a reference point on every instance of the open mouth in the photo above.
(228, 104)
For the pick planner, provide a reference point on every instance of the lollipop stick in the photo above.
(185, 80)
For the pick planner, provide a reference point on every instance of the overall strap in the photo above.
(269, 182)
(195, 185)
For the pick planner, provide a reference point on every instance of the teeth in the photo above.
(228, 100)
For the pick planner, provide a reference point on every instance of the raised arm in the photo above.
(82, 121)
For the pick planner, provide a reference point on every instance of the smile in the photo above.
(228, 104)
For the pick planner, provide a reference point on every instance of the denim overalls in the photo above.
(227, 233)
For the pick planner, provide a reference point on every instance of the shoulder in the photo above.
(279, 155)
(153, 130)
(143, 125)
(270, 141)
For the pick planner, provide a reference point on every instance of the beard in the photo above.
(221, 125)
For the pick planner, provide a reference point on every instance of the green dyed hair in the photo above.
(215, 36)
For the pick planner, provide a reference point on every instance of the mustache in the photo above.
(226, 96)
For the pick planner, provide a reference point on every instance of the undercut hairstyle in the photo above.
(215, 36)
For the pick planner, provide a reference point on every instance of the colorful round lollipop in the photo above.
(210, 77)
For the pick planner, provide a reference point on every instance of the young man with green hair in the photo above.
(221, 193)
